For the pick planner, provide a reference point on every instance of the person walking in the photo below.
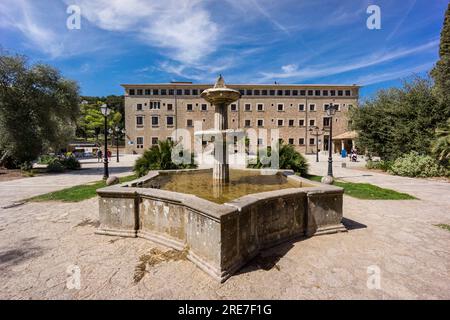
(99, 155)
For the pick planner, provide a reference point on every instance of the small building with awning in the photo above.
(345, 141)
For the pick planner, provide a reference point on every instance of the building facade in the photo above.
(154, 111)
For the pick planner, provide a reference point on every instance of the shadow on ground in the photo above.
(24, 251)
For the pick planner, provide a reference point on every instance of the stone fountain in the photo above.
(224, 220)
(220, 97)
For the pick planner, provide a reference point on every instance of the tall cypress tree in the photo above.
(441, 72)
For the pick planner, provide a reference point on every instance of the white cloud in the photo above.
(392, 75)
(291, 71)
(182, 29)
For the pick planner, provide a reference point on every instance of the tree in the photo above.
(399, 120)
(441, 146)
(441, 72)
(38, 108)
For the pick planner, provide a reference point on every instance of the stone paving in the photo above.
(40, 241)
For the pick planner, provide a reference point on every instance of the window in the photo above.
(249, 92)
(301, 122)
(131, 92)
(326, 122)
(279, 92)
(179, 92)
(169, 120)
(312, 122)
(247, 123)
(301, 141)
(139, 92)
(280, 122)
(291, 141)
(260, 107)
(291, 122)
(287, 92)
(264, 92)
(233, 107)
(189, 107)
(256, 92)
(248, 107)
(187, 92)
(154, 105)
(154, 141)
(332, 93)
(260, 141)
(301, 107)
(260, 122)
(139, 107)
(163, 92)
(204, 107)
(169, 107)
(140, 142)
(348, 93)
(189, 123)
(242, 92)
(325, 93)
(272, 92)
(340, 93)
(303, 92)
(195, 92)
(280, 107)
(295, 92)
(155, 92)
(312, 107)
(171, 92)
(312, 141)
(139, 121)
(148, 92)
(310, 92)
(317, 93)
(155, 121)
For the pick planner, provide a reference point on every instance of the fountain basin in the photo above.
(220, 237)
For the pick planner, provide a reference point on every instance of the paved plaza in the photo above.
(42, 243)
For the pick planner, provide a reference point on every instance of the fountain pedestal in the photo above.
(220, 96)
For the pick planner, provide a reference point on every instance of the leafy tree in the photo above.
(159, 157)
(441, 72)
(399, 120)
(38, 109)
(441, 146)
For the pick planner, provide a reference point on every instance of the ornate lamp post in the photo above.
(331, 110)
(315, 131)
(105, 111)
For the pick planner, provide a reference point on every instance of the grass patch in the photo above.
(154, 257)
(77, 193)
(443, 226)
(367, 191)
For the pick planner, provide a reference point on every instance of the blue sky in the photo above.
(248, 41)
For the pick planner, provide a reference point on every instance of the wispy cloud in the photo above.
(291, 71)
(398, 74)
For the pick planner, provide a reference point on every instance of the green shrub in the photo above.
(159, 157)
(289, 158)
(26, 166)
(416, 165)
(71, 163)
(55, 166)
(45, 159)
(384, 165)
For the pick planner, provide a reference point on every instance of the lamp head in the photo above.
(105, 110)
(331, 109)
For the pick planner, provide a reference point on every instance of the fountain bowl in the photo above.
(219, 238)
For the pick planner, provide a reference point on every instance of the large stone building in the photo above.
(153, 111)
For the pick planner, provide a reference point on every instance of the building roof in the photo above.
(346, 135)
(210, 85)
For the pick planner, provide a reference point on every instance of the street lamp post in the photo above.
(105, 111)
(331, 110)
(315, 132)
(118, 133)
